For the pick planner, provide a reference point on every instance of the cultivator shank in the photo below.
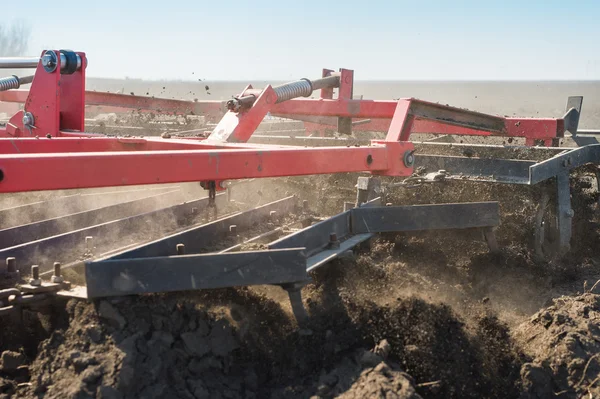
(120, 246)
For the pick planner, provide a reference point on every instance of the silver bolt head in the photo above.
(57, 279)
(48, 60)
(27, 119)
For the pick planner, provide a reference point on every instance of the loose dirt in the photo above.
(409, 316)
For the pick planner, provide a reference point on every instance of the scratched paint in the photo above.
(217, 158)
(15, 145)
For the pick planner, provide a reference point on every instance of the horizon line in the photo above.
(355, 81)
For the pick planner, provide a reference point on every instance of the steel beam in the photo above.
(494, 170)
(193, 272)
(197, 238)
(66, 247)
(564, 162)
(63, 224)
(564, 211)
(424, 217)
(316, 237)
(60, 206)
(327, 255)
(21, 172)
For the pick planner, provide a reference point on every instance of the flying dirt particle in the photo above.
(208, 92)
(206, 88)
(147, 93)
(132, 93)
(195, 100)
(199, 80)
(192, 73)
(164, 87)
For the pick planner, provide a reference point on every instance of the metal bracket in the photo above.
(367, 189)
(564, 211)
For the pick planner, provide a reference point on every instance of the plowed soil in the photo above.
(414, 316)
(408, 316)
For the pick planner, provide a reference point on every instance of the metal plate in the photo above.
(197, 238)
(316, 237)
(63, 224)
(327, 255)
(425, 217)
(193, 272)
(566, 161)
(493, 170)
(69, 246)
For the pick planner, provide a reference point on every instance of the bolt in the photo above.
(35, 276)
(333, 240)
(570, 213)
(11, 265)
(57, 278)
(233, 229)
(180, 248)
(47, 60)
(27, 119)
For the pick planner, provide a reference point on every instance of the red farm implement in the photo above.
(45, 146)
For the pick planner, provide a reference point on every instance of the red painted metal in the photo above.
(237, 127)
(402, 122)
(327, 93)
(67, 161)
(98, 102)
(52, 171)
(56, 102)
(327, 109)
(72, 98)
(101, 144)
(381, 114)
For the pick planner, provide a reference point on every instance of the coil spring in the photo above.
(299, 88)
(11, 82)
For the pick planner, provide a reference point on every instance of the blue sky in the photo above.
(274, 40)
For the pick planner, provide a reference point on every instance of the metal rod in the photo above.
(14, 82)
(31, 62)
(19, 62)
(286, 91)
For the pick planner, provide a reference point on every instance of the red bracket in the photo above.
(237, 127)
(55, 102)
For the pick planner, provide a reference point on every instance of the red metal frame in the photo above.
(71, 158)
(99, 102)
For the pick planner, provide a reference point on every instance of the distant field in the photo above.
(527, 99)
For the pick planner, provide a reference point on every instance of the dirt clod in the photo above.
(11, 361)
(563, 342)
